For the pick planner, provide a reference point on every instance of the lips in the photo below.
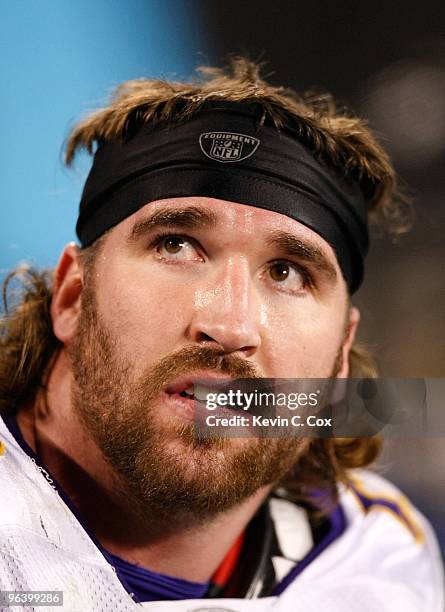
(185, 385)
(180, 393)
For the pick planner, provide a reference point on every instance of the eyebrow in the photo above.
(192, 217)
(196, 217)
(291, 246)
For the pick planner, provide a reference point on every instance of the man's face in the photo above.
(193, 286)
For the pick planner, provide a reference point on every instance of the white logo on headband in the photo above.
(228, 146)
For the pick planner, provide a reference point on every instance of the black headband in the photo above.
(223, 152)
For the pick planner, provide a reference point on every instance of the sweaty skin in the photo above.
(279, 307)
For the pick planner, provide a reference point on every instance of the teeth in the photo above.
(201, 392)
(189, 391)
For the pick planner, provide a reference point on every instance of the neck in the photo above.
(54, 432)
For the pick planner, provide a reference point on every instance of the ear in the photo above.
(67, 290)
(354, 319)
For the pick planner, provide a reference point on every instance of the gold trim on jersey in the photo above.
(405, 517)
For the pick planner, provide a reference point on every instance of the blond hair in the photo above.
(341, 141)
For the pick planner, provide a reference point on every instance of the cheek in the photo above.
(147, 315)
(303, 341)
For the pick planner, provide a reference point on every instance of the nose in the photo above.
(227, 312)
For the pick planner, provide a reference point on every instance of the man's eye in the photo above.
(287, 275)
(177, 247)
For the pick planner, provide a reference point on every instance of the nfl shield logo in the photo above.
(226, 149)
(228, 146)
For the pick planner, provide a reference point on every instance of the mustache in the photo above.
(192, 358)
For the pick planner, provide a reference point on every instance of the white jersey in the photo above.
(386, 560)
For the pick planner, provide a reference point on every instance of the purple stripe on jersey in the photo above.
(151, 586)
(369, 502)
(337, 522)
(141, 583)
